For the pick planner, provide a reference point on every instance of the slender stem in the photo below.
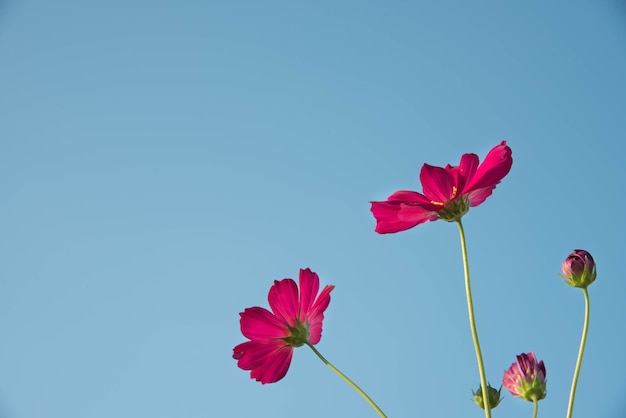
(581, 353)
(536, 407)
(470, 310)
(350, 382)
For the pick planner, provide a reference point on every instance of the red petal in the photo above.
(467, 168)
(284, 301)
(405, 196)
(315, 316)
(437, 183)
(268, 362)
(252, 354)
(321, 303)
(496, 165)
(413, 199)
(455, 172)
(261, 325)
(309, 286)
(476, 197)
(399, 216)
(315, 329)
(275, 368)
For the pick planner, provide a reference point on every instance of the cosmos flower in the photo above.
(296, 319)
(526, 378)
(579, 269)
(448, 192)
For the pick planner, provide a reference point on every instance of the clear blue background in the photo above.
(162, 162)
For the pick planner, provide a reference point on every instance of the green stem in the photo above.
(581, 353)
(350, 382)
(536, 407)
(470, 310)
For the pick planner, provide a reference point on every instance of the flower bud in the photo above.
(526, 378)
(579, 269)
(494, 396)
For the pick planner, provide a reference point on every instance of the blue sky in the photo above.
(162, 162)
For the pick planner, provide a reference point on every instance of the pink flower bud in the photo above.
(579, 269)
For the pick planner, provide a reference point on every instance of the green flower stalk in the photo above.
(579, 270)
(448, 193)
(470, 310)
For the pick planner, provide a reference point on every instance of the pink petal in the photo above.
(268, 362)
(527, 364)
(406, 196)
(437, 183)
(315, 316)
(492, 170)
(315, 329)
(541, 368)
(284, 301)
(321, 303)
(399, 216)
(309, 286)
(511, 379)
(467, 169)
(275, 368)
(252, 354)
(457, 178)
(261, 325)
(476, 197)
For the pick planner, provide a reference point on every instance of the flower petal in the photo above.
(284, 300)
(492, 170)
(476, 197)
(467, 169)
(409, 197)
(275, 368)
(309, 286)
(315, 316)
(437, 183)
(541, 371)
(268, 362)
(252, 354)
(396, 216)
(527, 364)
(261, 325)
(511, 379)
(321, 303)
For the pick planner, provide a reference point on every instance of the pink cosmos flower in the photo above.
(526, 378)
(448, 192)
(295, 320)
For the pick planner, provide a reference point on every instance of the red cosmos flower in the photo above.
(295, 320)
(448, 192)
